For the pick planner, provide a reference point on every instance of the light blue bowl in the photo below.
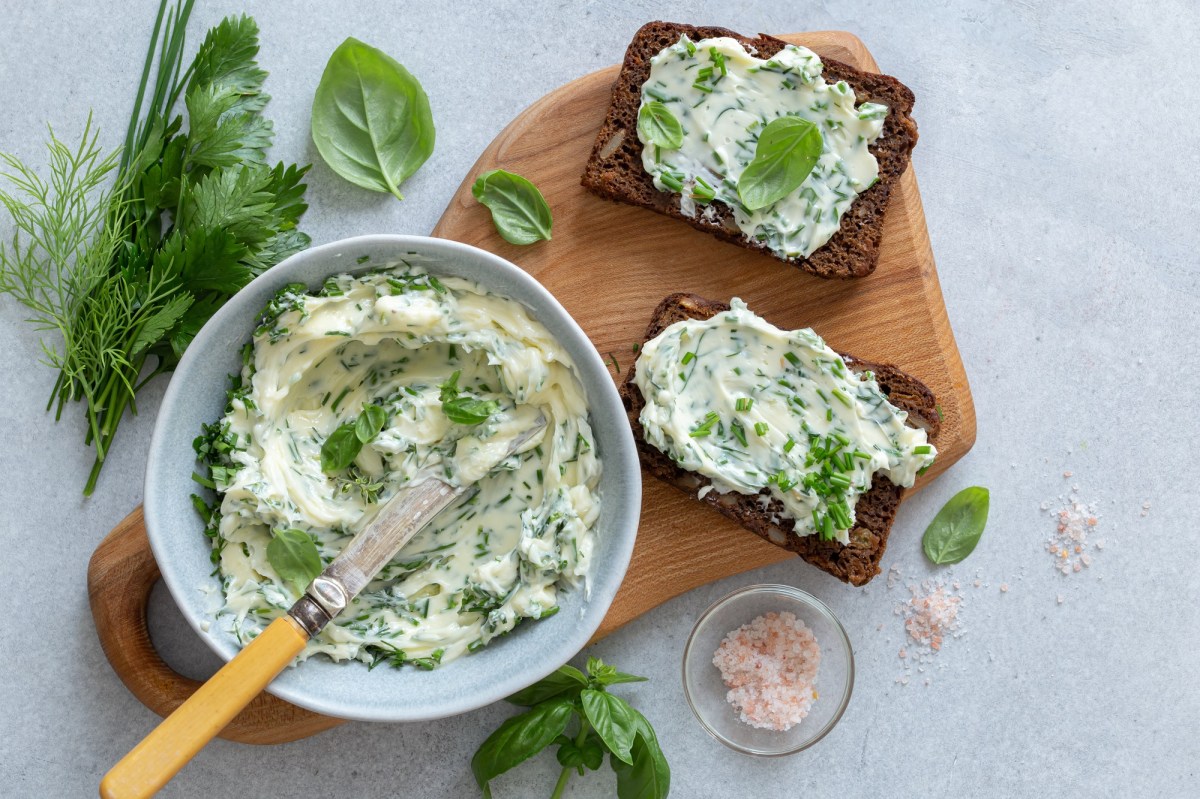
(197, 395)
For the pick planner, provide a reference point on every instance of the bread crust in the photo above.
(856, 562)
(614, 170)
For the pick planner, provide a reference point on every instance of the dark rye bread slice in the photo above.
(856, 562)
(615, 170)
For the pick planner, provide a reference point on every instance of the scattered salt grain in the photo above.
(770, 668)
(1004, 588)
(930, 616)
(1068, 542)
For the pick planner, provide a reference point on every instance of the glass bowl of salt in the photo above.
(768, 670)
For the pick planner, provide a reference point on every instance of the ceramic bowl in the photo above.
(348, 690)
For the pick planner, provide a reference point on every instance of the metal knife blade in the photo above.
(400, 518)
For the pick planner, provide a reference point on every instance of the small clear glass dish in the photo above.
(705, 691)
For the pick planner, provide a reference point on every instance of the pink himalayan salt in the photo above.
(770, 668)
(930, 616)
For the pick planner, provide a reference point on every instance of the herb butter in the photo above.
(759, 410)
(722, 97)
(396, 339)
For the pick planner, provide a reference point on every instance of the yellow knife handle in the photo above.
(175, 741)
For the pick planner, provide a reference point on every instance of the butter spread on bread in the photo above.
(774, 413)
(722, 96)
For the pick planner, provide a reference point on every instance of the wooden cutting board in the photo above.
(610, 265)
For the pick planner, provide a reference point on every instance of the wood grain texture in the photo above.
(610, 265)
(121, 574)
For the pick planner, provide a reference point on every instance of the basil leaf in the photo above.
(612, 719)
(520, 738)
(649, 775)
(618, 677)
(370, 422)
(468, 410)
(604, 674)
(450, 387)
(567, 678)
(787, 151)
(519, 211)
(370, 118)
(658, 126)
(954, 532)
(593, 753)
(340, 449)
(294, 557)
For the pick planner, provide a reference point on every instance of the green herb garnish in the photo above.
(463, 408)
(294, 557)
(705, 428)
(656, 125)
(957, 527)
(126, 254)
(340, 448)
(519, 211)
(370, 118)
(787, 151)
(579, 715)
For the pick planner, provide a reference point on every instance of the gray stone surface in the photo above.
(1057, 164)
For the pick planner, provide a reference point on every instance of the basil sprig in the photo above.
(294, 557)
(603, 723)
(370, 118)
(958, 526)
(658, 126)
(344, 443)
(463, 408)
(519, 211)
(787, 151)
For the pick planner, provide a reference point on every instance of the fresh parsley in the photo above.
(576, 713)
(125, 255)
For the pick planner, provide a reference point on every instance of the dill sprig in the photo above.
(120, 257)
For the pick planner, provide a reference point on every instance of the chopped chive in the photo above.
(739, 432)
(844, 397)
(339, 399)
(744, 404)
(688, 357)
(791, 442)
(672, 180)
(924, 449)
(691, 48)
(760, 428)
(705, 427)
(792, 359)
(702, 88)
